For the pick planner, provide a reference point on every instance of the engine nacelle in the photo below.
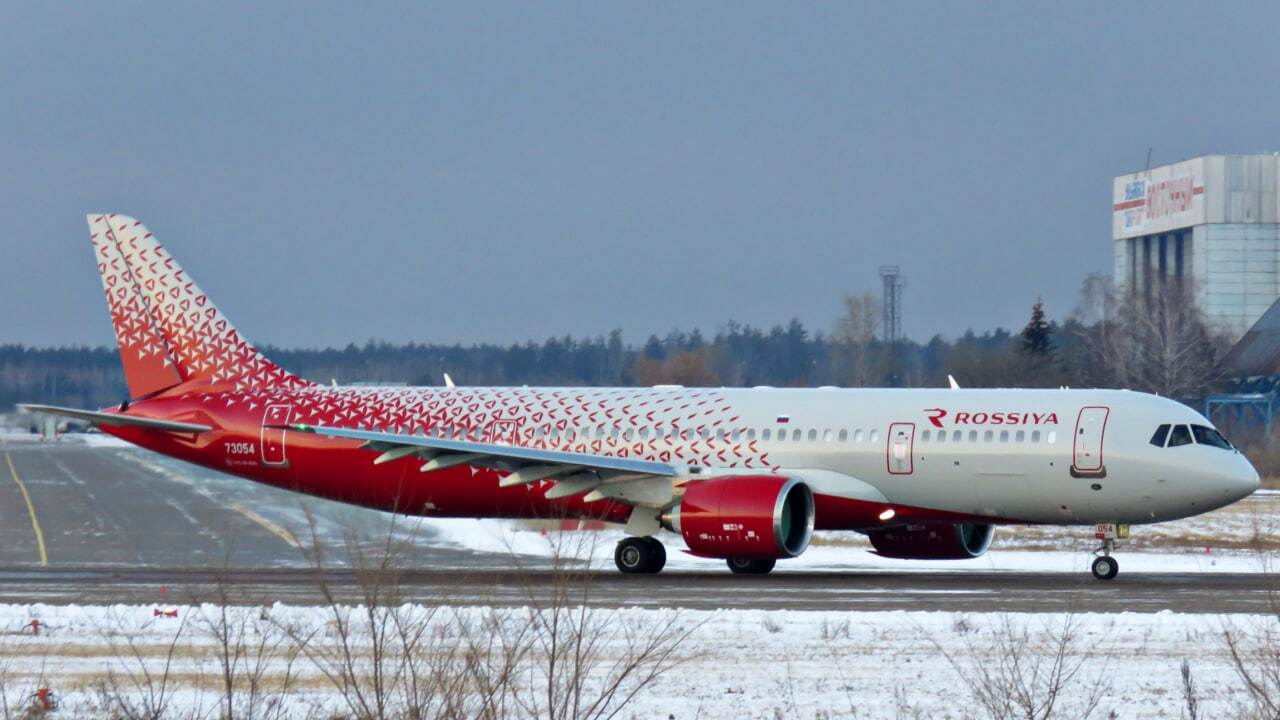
(745, 516)
(960, 541)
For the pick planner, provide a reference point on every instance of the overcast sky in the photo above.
(505, 172)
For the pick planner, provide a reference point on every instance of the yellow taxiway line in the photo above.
(31, 510)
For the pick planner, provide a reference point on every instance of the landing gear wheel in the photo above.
(1105, 567)
(639, 555)
(658, 558)
(751, 566)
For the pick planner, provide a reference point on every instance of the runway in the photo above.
(121, 525)
(956, 592)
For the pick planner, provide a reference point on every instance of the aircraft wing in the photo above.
(116, 419)
(628, 480)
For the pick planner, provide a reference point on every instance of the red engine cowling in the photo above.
(745, 516)
(959, 541)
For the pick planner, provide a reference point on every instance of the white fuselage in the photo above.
(1037, 456)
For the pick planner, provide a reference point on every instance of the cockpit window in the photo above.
(1180, 435)
(1209, 436)
(1161, 433)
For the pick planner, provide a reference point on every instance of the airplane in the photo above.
(746, 475)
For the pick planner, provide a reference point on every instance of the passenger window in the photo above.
(942, 436)
(1161, 434)
(1179, 435)
(644, 433)
(1021, 436)
(857, 435)
(813, 435)
(1052, 437)
(766, 434)
(736, 435)
(1004, 436)
(955, 436)
(988, 436)
(782, 436)
(874, 436)
(720, 434)
(826, 436)
(844, 436)
(973, 436)
(1035, 436)
(1209, 436)
(795, 434)
(924, 436)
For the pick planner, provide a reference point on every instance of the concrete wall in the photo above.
(1239, 277)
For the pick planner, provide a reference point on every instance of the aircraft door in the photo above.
(272, 439)
(1086, 452)
(902, 437)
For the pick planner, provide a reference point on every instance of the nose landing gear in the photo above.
(1106, 567)
(640, 555)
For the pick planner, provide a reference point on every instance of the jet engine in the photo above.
(958, 541)
(745, 516)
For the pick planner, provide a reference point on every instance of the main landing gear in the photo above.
(751, 566)
(640, 555)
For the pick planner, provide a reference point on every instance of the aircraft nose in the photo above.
(1243, 478)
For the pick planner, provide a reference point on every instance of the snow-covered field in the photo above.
(731, 663)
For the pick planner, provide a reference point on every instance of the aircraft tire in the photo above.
(639, 555)
(751, 566)
(1105, 567)
(658, 559)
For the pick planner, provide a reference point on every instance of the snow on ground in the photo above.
(735, 663)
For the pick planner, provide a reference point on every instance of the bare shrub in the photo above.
(1254, 653)
(771, 626)
(556, 657)
(587, 663)
(1022, 674)
(833, 630)
(140, 684)
(1190, 696)
(1253, 648)
(249, 648)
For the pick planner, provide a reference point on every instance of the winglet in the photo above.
(954, 385)
(448, 381)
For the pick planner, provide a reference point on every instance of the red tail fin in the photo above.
(168, 331)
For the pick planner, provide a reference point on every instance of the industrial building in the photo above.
(1212, 220)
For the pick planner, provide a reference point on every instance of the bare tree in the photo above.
(1155, 340)
(855, 331)
(1026, 675)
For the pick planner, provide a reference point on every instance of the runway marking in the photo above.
(270, 527)
(31, 510)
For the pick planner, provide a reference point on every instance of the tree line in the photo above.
(1156, 342)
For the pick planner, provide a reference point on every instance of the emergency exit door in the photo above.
(902, 438)
(1086, 452)
(272, 440)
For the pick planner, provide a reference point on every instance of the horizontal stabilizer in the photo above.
(117, 419)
